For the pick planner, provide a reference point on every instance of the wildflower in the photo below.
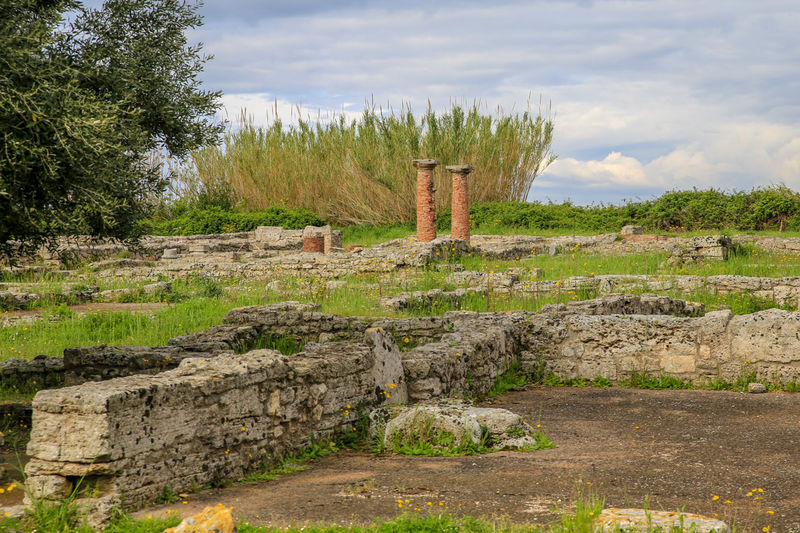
(715, 498)
(770, 512)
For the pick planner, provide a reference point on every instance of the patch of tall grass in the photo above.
(357, 171)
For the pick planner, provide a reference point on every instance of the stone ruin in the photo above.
(208, 406)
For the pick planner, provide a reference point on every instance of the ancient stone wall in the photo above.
(40, 372)
(718, 345)
(223, 414)
(784, 291)
(209, 419)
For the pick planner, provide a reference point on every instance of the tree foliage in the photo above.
(82, 106)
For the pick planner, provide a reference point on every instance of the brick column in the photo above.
(459, 228)
(426, 202)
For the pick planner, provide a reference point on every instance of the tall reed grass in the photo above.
(360, 171)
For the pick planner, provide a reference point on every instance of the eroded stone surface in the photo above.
(641, 520)
(505, 430)
(217, 519)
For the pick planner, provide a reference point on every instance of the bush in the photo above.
(773, 208)
(218, 220)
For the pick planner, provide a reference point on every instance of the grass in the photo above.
(511, 379)
(61, 519)
(284, 343)
(202, 304)
(576, 262)
(293, 462)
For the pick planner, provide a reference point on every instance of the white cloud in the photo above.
(262, 109)
(648, 95)
(727, 156)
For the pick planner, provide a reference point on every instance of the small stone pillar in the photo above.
(426, 202)
(313, 240)
(459, 228)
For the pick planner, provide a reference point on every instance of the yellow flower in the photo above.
(715, 498)
(765, 529)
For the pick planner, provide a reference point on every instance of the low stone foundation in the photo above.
(224, 414)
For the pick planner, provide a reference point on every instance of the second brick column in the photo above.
(459, 228)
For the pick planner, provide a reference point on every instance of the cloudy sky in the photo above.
(647, 95)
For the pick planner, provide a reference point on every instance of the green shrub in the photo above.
(776, 208)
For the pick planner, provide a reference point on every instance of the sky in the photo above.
(646, 95)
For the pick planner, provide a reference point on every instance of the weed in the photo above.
(515, 432)
(284, 343)
(542, 443)
(638, 380)
(512, 378)
(426, 439)
(167, 496)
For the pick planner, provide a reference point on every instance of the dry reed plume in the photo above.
(360, 171)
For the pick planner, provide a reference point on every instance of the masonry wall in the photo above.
(209, 419)
(717, 345)
(223, 414)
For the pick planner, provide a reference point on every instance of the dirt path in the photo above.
(679, 448)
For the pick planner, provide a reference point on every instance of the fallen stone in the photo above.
(643, 520)
(159, 286)
(115, 294)
(170, 253)
(631, 230)
(756, 388)
(15, 512)
(504, 429)
(210, 520)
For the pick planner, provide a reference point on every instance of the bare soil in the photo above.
(677, 449)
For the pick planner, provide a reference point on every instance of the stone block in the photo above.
(644, 520)
(631, 230)
(216, 519)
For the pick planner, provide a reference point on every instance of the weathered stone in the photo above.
(218, 519)
(644, 520)
(756, 388)
(159, 286)
(170, 253)
(631, 230)
(504, 429)
(116, 430)
(116, 294)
